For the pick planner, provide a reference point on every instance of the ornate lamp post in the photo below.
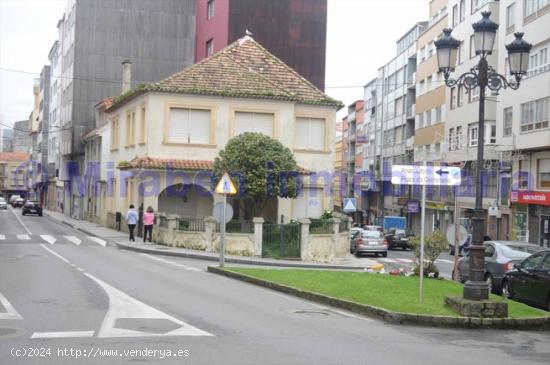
(482, 76)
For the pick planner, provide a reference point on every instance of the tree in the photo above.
(261, 167)
(434, 244)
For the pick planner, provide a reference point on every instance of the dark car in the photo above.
(529, 280)
(18, 203)
(31, 207)
(399, 238)
(500, 257)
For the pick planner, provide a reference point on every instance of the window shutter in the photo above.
(301, 134)
(199, 126)
(179, 125)
(263, 123)
(243, 123)
(316, 134)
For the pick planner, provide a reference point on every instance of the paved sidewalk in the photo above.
(120, 239)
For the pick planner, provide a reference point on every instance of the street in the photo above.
(74, 297)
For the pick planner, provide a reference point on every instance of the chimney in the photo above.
(126, 75)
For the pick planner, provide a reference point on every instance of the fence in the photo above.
(163, 221)
(237, 227)
(191, 224)
(318, 226)
(281, 240)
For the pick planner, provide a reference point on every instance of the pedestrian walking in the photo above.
(148, 220)
(132, 219)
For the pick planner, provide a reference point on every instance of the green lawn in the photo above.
(395, 293)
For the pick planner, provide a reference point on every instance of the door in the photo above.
(545, 231)
(525, 286)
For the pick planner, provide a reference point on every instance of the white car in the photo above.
(3, 204)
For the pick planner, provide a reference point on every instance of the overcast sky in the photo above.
(361, 37)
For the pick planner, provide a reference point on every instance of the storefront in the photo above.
(531, 216)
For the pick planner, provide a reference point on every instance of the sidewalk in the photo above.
(120, 239)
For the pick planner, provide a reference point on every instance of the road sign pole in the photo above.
(222, 233)
(422, 233)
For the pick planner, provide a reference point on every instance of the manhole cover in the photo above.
(312, 312)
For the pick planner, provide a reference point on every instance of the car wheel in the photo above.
(384, 254)
(357, 254)
(22, 213)
(507, 290)
(489, 281)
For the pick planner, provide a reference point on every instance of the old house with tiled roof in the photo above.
(161, 139)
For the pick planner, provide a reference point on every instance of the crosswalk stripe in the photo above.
(51, 240)
(2, 237)
(23, 237)
(98, 241)
(447, 261)
(404, 260)
(73, 239)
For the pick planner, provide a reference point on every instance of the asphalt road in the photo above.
(63, 295)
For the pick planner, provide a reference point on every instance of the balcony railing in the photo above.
(411, 111)
(411, 81)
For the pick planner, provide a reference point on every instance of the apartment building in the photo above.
(21, 136)
(523, 130)
(13, 170)
(293, 30)
(53, 161)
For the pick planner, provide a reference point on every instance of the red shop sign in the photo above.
(530, 197)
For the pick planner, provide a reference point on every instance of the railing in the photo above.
(163, 221)
(411, 111)
(320, 226)
(191, 224)
(237, 227)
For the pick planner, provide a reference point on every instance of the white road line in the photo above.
(98, 241)
(24, 237)
(2, 237)
(10, 313)
(66, 334)
(446, 261)
(190, 268)
(50, 239)
(20, 221)
(407, 261)
(387, 260)
(55, 254)
(73, 239)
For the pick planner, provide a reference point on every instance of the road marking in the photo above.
(23, 237)
(98, 241)
(66, 334)
(50, 239)
(387, 260)
(122, 305)
(407, 261)
(446, 261)
(55, 254)
(190, 268)
(10, 313)
(20, 221)
(73, 239)
(2, 237)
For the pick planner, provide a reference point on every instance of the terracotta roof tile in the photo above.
(163, 163)
(14, 156)
(242, 69)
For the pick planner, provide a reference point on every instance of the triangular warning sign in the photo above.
(226, 186)
(350, 206)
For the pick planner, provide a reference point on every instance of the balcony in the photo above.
(411, 81)
(411, 112)
(409, 143)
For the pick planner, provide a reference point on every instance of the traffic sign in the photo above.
(425, 175)
(218, 212)
(226, 186)
(350, 205)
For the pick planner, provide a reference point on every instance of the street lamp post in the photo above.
(482, 76)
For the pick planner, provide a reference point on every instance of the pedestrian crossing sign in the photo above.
(226, 186)
(350, 205)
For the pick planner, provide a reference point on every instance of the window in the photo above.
(453, 98)
(210, 47)
(476, 4)
(534, 115)
(143, 125)
(462, 10)
(461, 53)
(114, 134)
(458, 143)
(130, 128)
(430, 49)
(523, 175)
(210, 9)
(538, 60)
(421, 120)
(254, 122)
(451, 139)
(531, 7)
(533, 261)
(438, 114)
(189, 126)
(422, 53)
(543, 177)
(473, 95)
(455, 15)
(310, 134)
(459, 96)
(472, 47)
(472, 141)
(510, 15)
(491, 137)
(428, 117)
(507, 125)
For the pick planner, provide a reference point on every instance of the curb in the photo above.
(234, 260)
(528, 324)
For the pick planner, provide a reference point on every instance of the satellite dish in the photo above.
(462, 234)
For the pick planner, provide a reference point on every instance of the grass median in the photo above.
(394, 293)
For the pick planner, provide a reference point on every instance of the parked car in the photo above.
(13, 198)
(354, 232)
(399, 238)
(463, 248)
(371, 242)
(18, 203)
(3, 204)
(500, 257)
(373, 228)
(31, 207)
(529, 280)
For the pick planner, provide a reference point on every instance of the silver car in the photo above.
(371, 242)
(3, 204)
(500, 257)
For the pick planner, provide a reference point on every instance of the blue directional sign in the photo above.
(350, 205)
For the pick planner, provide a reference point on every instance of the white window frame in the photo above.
(309, 119)
(535, 114)
(190, 140)
(507, 118)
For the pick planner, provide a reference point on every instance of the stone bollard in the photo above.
(304, 238)
(258, 235)
(209, 228)
(172, 221)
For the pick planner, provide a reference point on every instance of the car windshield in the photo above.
(372, 234)
(519, 251)
(400, 231)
